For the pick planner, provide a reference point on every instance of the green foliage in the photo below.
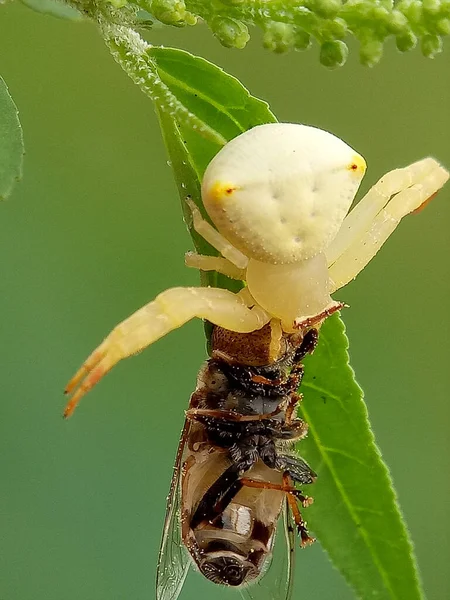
(56, 8)
(290, 24)
(213, 96)
(11, 143)
(355, 515)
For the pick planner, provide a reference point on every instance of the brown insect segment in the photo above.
(236, 471)
(258, 348)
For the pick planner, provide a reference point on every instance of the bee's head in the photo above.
(227, 568)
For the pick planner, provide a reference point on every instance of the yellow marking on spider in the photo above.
(220, 190)
(358, 165)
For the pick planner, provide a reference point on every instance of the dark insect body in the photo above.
(234, 473)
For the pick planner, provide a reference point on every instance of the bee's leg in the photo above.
(169, 310)
(294, 431)
(199, 414)
(220, 494)
(214, 263)
(280, 487)
(297, 469)
(307, 346)
(216, 240)
(225, 488)
(293, 495)
(305, 538)
(374, 218)
(294, 401)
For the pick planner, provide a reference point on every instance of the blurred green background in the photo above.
(94, 231)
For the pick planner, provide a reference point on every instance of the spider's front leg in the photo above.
(371, 222)
(216, 239)
(169, 310)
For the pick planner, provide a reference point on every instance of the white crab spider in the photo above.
(278, 195)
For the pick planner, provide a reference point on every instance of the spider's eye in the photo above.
(358, 165)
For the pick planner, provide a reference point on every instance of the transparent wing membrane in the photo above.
(173, 560)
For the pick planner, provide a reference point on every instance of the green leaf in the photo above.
(355, 515)
(217, 99)
(11, 143)
(54, 8)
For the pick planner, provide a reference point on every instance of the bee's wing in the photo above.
(173, 559)
(277, 580)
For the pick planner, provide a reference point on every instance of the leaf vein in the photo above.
(346, 455)
(187, 88)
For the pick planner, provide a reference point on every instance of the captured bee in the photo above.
(279, 197)
(234, 474)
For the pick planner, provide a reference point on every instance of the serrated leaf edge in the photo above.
(324, 453)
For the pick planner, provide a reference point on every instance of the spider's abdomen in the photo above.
(280, 191)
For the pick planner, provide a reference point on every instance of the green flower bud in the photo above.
(414, 11)
(333, 54)
(335, 29)
(231, 33)
(431, 45)
(302, 40)
(325, 8)
(406, 41)
(118, 3)
(443, 27)
(397, 22)
(279, 37)
(169, 12)
(370, 52)
(380, 15)
(431, 6)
